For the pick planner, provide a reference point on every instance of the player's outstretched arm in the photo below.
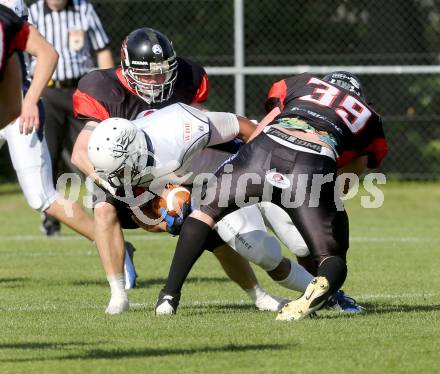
(247, 128)
(225, 127)
(47, 59)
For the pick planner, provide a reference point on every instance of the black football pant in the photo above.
(311, 204)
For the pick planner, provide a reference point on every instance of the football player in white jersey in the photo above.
(146, 152)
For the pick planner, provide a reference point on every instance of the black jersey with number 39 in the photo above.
(327, 107)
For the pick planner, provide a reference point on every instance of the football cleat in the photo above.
(118, 304)
(340, 301)
(314, 298)
(267, 302)
(166, 304)
(50, 226)
(129, 269)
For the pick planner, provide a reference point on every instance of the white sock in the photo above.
(117, 284)
(298, 278)
(255, 293)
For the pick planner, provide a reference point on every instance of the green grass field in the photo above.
(53, 294)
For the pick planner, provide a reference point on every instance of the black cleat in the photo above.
(50, 226)
(166, 304)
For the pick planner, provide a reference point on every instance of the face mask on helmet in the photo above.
(346, 81)
(154, 85)
(149, 64)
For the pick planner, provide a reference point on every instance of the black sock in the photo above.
(335, 270)
(189, 248)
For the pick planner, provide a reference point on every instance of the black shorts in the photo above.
(265, 170)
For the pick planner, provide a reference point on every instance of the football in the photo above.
(172, 199)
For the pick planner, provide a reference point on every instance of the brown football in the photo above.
(172, 199)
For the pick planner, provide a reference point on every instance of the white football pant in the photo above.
(31, 161)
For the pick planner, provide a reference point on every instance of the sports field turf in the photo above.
(53, 295)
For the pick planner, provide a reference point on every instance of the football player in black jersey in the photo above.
(151, 76)
(348, 162)
(324, 123)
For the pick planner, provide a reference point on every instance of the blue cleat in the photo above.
(129, 269)
(340, 301)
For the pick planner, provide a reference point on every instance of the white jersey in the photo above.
(179, 135)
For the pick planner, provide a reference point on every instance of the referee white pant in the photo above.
(31, 161)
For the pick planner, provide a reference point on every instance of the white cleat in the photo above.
(118, 304)
(314, 297)
(267, 302)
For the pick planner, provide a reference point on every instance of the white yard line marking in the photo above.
(214, 302)
(395, 296)
(169, 237)
(399, 239)
(41, 238)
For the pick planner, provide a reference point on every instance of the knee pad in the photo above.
(297, 246)
(40, 202)
(259, 248)
(281, 224)
(39, 196)
(34, 173)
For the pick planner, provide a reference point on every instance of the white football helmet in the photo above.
(119, 151)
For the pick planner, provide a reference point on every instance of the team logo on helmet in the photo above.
(157, 49)
(278, 180)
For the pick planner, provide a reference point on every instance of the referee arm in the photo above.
(104, 59)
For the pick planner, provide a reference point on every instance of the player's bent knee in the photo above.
(41, 202)
(299, 250)
(105, 213)
(260, 248)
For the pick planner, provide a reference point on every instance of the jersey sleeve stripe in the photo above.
(276, 96)
(20, 40)
(86, 107)
(202, 91)
(376, 152)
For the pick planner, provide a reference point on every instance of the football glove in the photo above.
(174, 223)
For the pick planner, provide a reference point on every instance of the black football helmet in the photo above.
(346, 80)
(149, 64)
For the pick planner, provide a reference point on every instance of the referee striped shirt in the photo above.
(75, 32)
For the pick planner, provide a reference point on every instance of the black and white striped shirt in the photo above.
(75, 32)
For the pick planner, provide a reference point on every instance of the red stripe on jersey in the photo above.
(202, 91)
(20, 39)
(88, 107)
(123, 81)
(278, 91)
(2, 48)
(376, 152)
